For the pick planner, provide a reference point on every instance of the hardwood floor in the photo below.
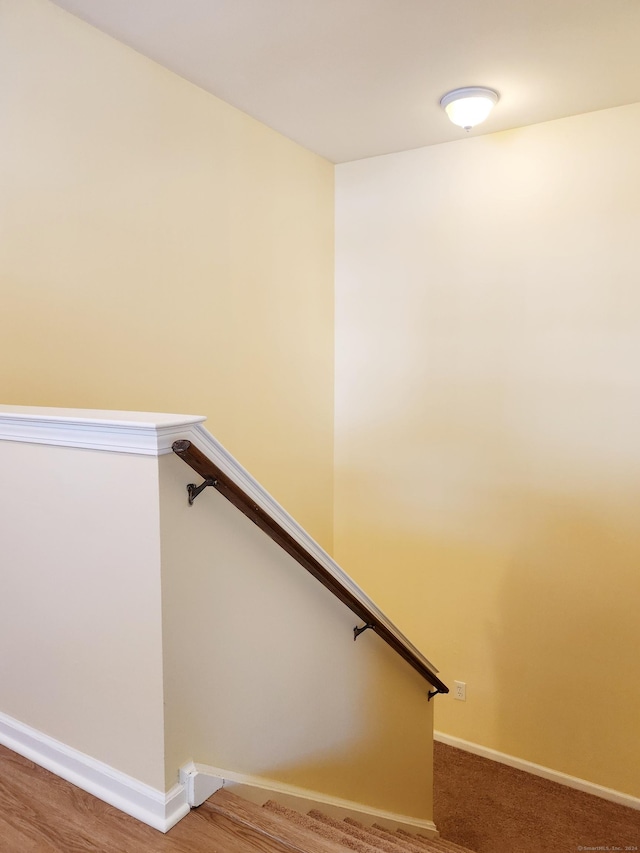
(42, 813)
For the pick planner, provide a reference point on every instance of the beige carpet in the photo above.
(350, 835)
(492, 808)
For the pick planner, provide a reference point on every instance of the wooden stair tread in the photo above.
(234, 836)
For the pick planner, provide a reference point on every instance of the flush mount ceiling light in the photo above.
(468, 107)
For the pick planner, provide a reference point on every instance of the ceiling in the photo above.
(350, 79)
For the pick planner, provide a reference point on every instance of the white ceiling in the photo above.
(355, 78)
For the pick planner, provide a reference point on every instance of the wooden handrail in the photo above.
(247, 506)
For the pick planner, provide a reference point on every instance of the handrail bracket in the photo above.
(357, 631)
(228, 488)
(193, 490)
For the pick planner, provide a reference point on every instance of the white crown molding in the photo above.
(202, 781)
(205, 442)
(538, 770)
(149, 805)
(139, 433)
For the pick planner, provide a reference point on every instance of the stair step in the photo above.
(319, 828)
(407, 843)
(274, 828)
(422, 844)
(230, 835)
(443, 845)
(382, 844)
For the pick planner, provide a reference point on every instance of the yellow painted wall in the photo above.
(488, 428)
(162, 251)
(261, 673)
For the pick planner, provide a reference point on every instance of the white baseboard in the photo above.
(200, 778)
(156, 808)
(199, 784)
(538, 770)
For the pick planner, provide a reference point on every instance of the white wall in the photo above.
(80, 607)
(488, 427)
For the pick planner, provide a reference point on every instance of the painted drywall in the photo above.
(162, 251)
(488, 428)
(261, 673)
(80, 608)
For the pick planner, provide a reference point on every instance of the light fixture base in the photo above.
(470, 105)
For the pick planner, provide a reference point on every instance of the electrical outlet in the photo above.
(460, 691)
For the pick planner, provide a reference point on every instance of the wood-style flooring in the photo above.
(41, 813)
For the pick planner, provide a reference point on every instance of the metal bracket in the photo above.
(193, 490)
(357, 631)
(432, 693)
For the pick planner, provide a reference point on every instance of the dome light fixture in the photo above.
(469, 106)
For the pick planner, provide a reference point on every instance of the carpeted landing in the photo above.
(493, 808)
(318, 833)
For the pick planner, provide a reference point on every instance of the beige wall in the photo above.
(262, 676)
(162, 251)
(80, 602)
(146, 633)
(488, 428)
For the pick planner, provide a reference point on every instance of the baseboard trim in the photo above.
(156, 808)
(538, 770)
(200, 778)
